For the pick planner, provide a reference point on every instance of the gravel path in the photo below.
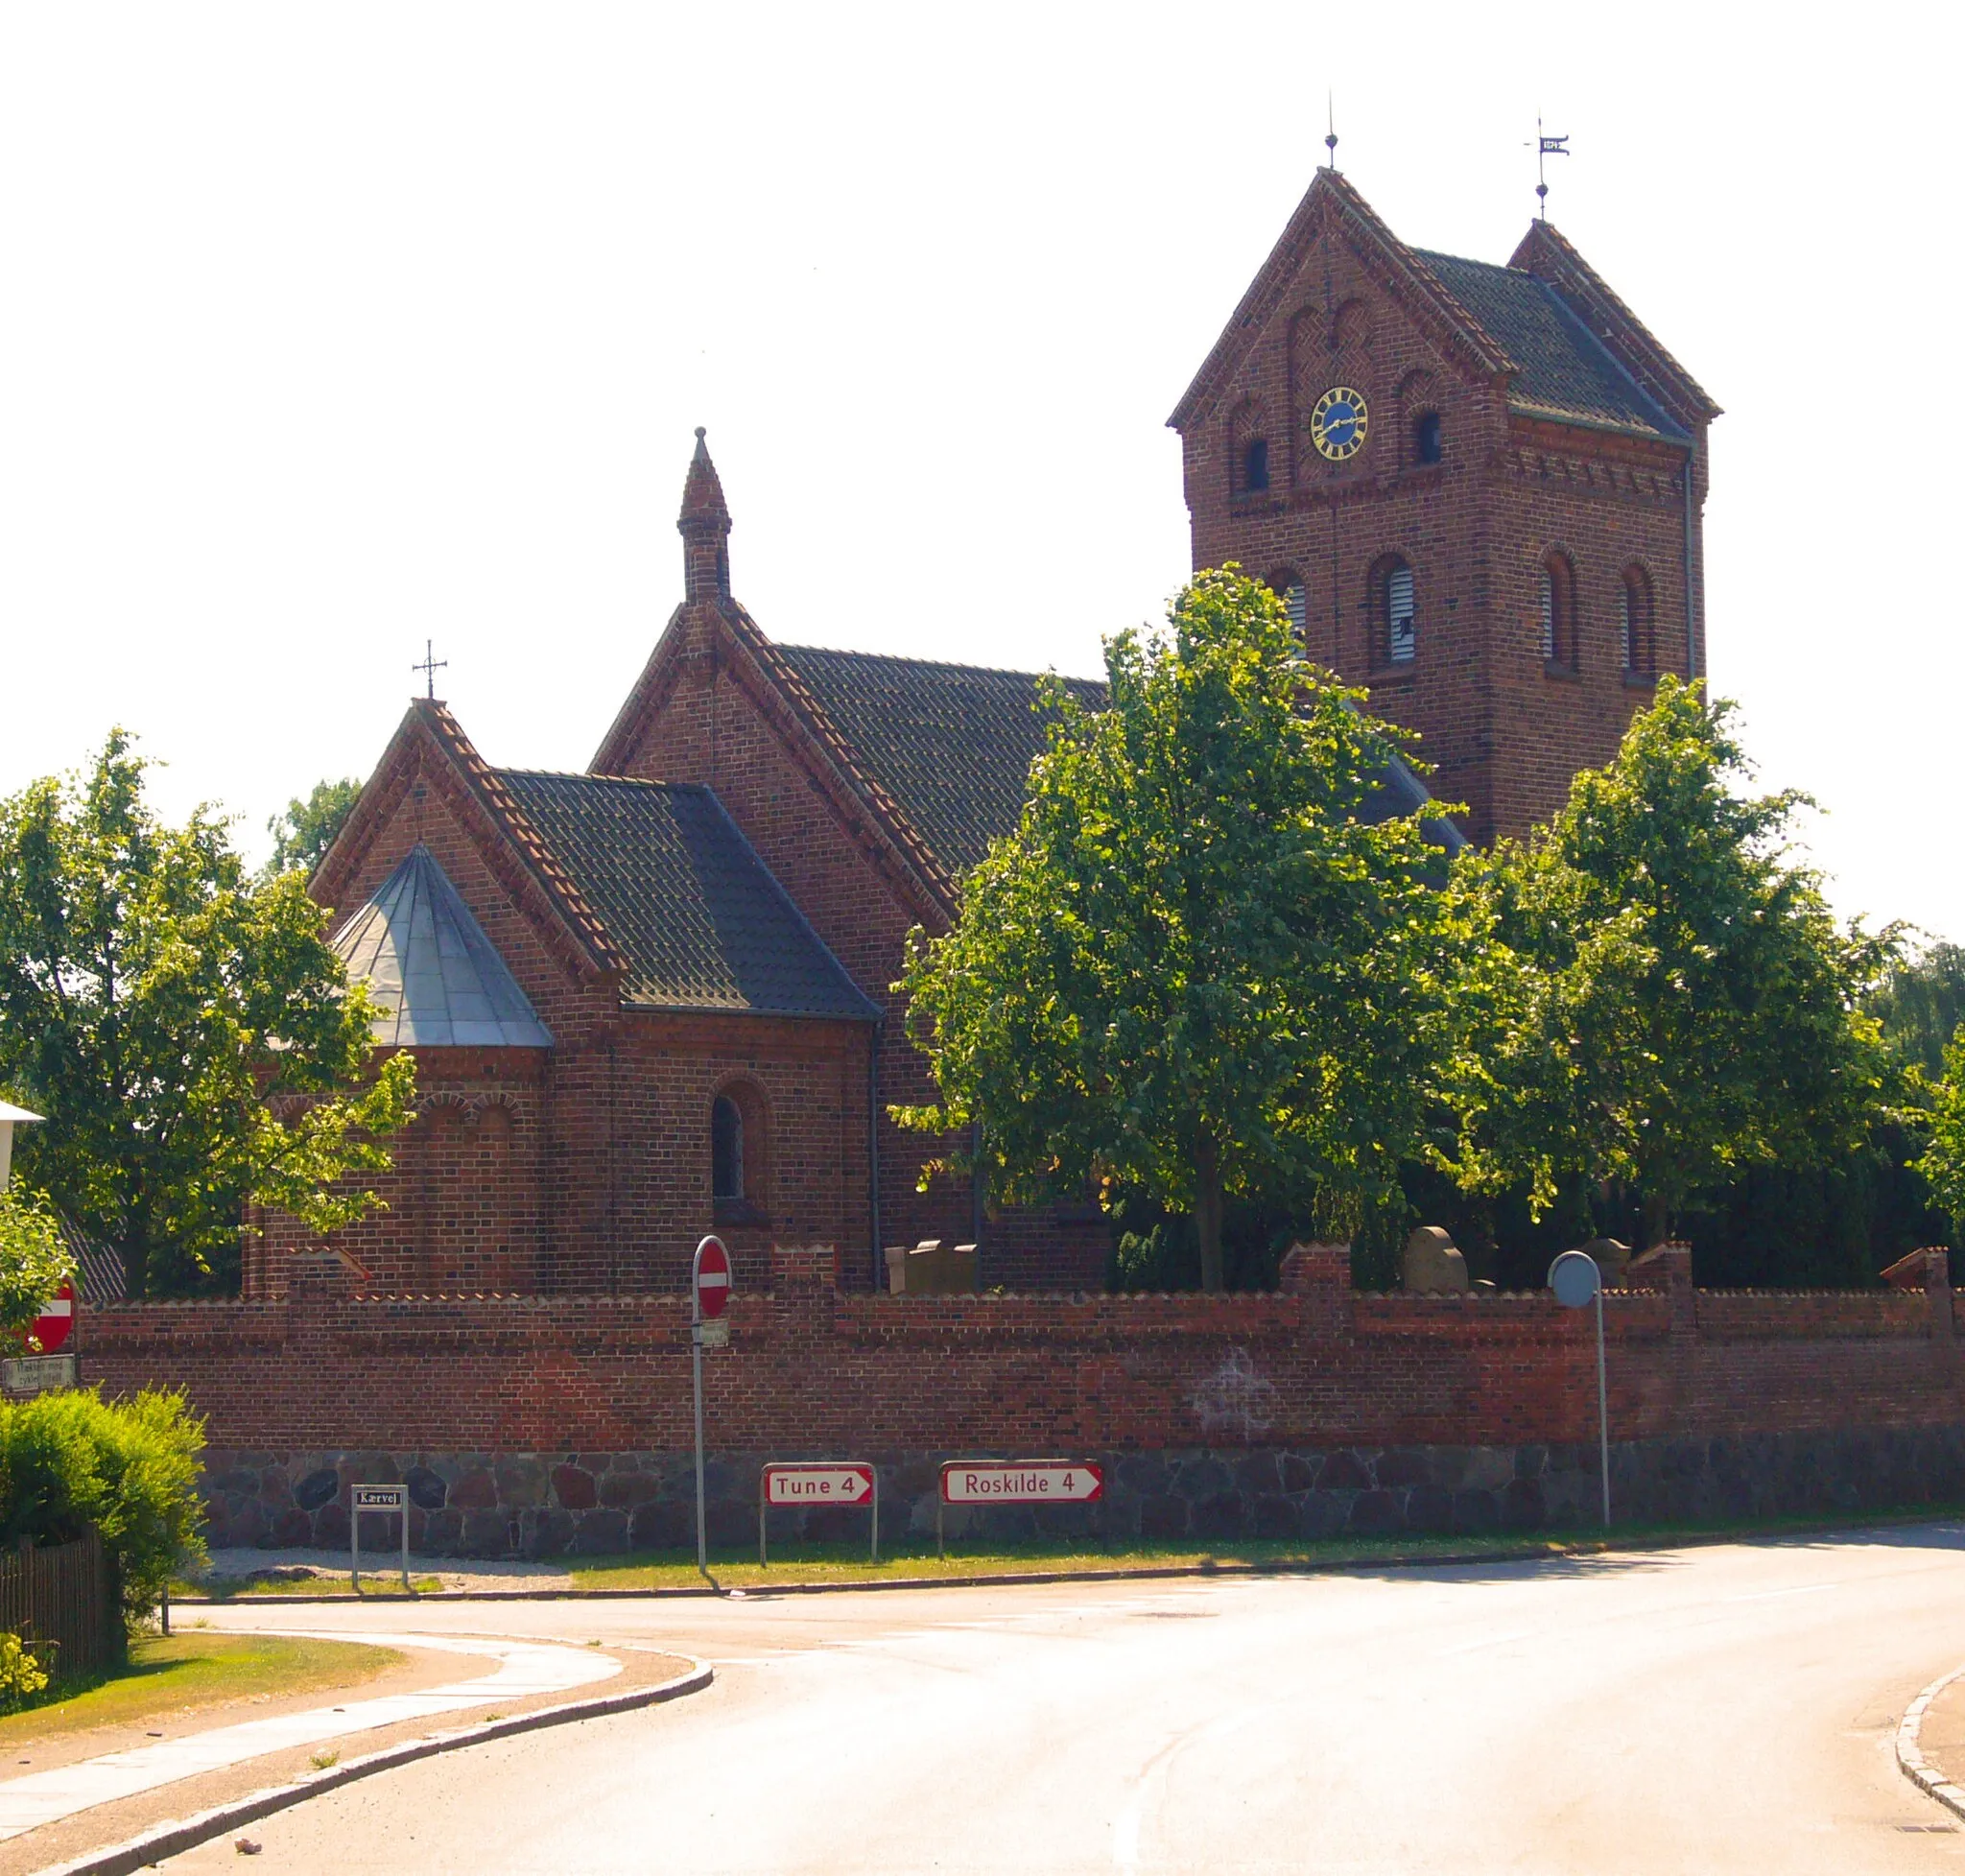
(331, 1567)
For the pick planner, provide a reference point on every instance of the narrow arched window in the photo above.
(726, 1148)
(1634, 623)
(1394, 613)
(1255, 465)
(1427, 445)
(1558, 609)
(1288, 586)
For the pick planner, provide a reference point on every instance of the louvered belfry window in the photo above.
(1294, 603)
(1401, 636)
(1547, 616)
(1627, 626)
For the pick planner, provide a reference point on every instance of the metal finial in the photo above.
(1331, 135)
(701, 433)
(432, 664)
(1545, 148)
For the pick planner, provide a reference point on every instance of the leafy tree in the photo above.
(1196, 967)
(302, 836)
(34, 1260)
(1922, 1003)
(1943, 1160)
(189, 1036)
(1667, 999)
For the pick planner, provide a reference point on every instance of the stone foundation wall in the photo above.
(551, 1504)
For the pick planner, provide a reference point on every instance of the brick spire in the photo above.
(704, 525)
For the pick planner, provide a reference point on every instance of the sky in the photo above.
(329, 331)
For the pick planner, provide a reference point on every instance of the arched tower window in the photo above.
(1395, 618)
(1558, 606)
(1286, 583)
(726, 1151)
(1635, 633)
(1248, 448)
(1428, 445)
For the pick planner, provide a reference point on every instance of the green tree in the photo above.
(302, 836)
(1198, 967)
(192, 1039)
(1666, 999)
(34, 1260)
(1922, 1002)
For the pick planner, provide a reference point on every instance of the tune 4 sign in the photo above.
(818, 1482)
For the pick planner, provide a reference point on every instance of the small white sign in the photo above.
(39, 1374)
(1030, 1482)
(817, 1485)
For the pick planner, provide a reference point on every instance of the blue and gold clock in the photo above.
(1339, 422)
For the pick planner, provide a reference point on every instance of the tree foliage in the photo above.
(189, 1036)
(70, 1459)
(303, 835)
(1196, 966)
(1922, 1002)
(34, 1260)
(1666, 999)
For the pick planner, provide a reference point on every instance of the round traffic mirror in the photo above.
(1576, 1279)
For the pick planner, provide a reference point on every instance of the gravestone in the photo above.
(1611, 1258)
(1432, 1261)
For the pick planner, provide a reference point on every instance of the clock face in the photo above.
(1337, 424)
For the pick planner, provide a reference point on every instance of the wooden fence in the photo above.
(63, 1603)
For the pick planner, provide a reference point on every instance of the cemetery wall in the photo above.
(545, 1423)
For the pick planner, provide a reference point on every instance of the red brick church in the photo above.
(653, 999)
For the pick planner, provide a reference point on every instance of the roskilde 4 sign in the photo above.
(1015, 1481)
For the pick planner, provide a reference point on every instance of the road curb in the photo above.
(169, 1839)
(1910, 1759)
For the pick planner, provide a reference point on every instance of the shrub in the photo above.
(34, 1260)
(21, 1676)
(72, 1460)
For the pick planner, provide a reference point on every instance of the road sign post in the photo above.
(1015, 1481)
(818, 1482)
(1578, 1283)
(709, 1295)
(376, 1498)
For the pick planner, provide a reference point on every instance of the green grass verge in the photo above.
(173, 1675)
(223, 1589)
(847, 1562)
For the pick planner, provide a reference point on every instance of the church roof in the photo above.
(1561, 369)
(952, 744)
(426, 960)
(683, 897)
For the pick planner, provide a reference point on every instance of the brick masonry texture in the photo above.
(540, 1424)
(1339, 305)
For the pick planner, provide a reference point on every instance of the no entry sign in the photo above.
(712, 1278)
(56, 1322)
(818, 1482)
(1027, 1482)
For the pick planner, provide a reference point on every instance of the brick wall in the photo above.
(1793, 1401)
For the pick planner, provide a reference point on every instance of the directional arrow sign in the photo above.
(842, 1482)
(1023, 1482)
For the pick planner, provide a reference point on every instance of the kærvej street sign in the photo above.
(845, 1483)
(1023, 1482)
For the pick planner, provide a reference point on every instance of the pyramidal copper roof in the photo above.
(428, 963)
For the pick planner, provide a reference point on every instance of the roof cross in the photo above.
(1546, 147)
(432, 664)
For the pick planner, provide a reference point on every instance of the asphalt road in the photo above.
(1724, 1709)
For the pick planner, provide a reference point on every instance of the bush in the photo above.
(72, 1460)
(21, 1676)
(34, 1260)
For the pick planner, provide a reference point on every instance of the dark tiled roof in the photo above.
(684, 898)
(951, 742)
(1561, 367)
(954, 743)
(100, 1274)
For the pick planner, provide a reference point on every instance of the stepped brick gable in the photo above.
(1520, 423)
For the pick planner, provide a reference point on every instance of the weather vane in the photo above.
(1546, 147)
(1331, 133)
(432, 664)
